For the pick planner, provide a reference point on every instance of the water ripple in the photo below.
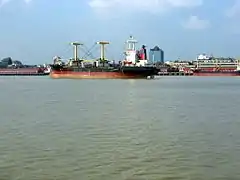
(122, 130)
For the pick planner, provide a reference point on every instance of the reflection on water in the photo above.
(170, 128)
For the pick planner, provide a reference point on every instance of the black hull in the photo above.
(148, 71)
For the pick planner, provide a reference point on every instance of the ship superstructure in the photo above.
(133, 57)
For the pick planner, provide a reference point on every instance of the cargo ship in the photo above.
(8, 67)
(205, 65)
(134, 65)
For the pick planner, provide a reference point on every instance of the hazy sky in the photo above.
(36, 30)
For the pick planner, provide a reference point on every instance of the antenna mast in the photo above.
(131, 43)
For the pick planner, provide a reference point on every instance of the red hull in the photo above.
(94, 75)
(211, 71)
(20, 72)
(216, 74)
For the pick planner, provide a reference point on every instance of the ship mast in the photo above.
(131, 44)
(75, 49)
(102, 50)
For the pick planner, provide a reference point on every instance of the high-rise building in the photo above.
(156, 55)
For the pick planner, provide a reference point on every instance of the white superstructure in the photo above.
(132, 56)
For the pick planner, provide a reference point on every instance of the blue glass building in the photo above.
(156, 55)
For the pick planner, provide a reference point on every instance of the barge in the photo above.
(8, 67)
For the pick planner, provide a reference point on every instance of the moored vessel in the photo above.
(134, 65)
(8, 67)
(205, 65)
(212, 66)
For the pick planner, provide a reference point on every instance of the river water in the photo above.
(163, 129)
